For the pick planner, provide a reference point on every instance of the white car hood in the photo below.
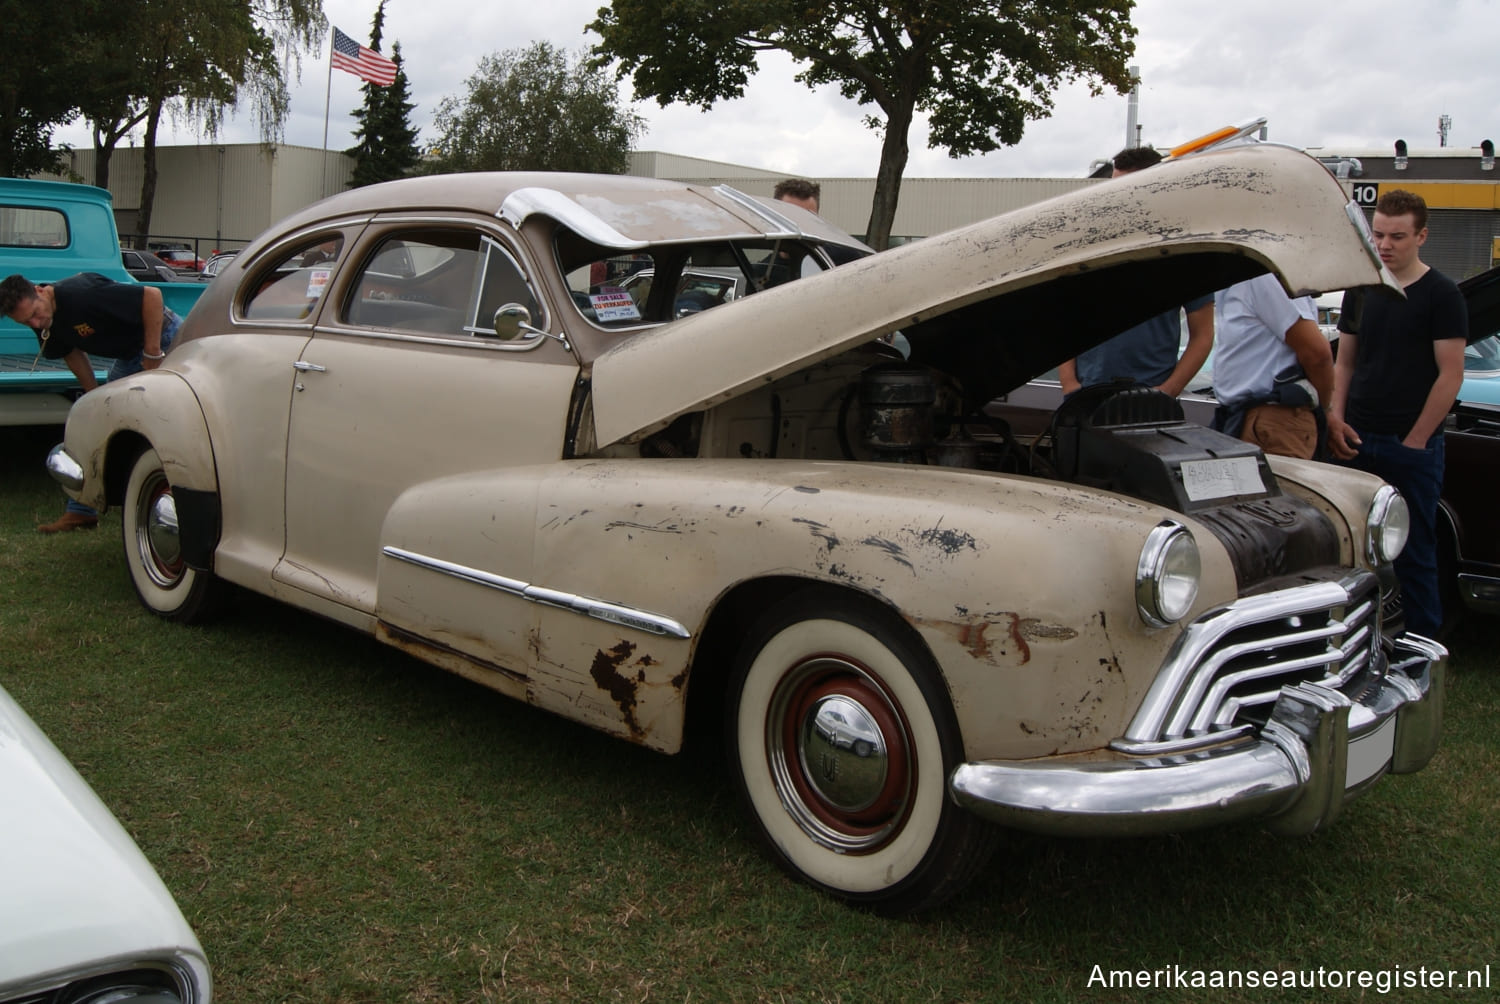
(1217, 218)
(77, 892)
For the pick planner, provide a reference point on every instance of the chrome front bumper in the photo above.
(64, 469)
(1318, 749)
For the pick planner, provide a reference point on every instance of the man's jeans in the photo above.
(123, 368)
(1418, 476)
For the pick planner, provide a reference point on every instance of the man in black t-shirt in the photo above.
(1399, 368)
(89, 314)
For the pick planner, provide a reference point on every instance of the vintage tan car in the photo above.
(461, 435)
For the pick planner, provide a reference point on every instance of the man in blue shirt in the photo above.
(1147, 353)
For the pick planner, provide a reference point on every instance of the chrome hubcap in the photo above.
(157, 536)
(840, 754)
(837, 733)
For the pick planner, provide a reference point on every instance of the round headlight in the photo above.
(1166, 577)
(1386, 526)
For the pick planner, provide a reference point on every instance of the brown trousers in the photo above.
(1279, 429)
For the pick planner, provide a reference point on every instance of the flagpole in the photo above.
(327, 93)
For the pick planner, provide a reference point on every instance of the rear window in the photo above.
(31, 227)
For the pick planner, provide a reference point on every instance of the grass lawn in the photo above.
(342, 823)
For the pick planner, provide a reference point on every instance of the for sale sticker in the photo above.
(614, 305)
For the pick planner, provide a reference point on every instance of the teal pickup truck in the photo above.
(50, 230)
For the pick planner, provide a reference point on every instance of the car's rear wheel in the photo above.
(165, 583)
(821, 673)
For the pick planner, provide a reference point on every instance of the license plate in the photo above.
(1369, 754)
(1221, 478)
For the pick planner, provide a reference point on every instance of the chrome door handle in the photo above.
(307, 367)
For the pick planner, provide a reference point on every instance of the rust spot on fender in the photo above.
(605, 671)
(1016, 635)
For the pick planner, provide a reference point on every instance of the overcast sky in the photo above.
(1332, 73)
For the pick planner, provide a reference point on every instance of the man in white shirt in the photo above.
(1273, 367)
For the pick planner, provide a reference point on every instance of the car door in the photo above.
(243, 375)
(406, 383)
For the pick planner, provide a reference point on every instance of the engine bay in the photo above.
(869, 405)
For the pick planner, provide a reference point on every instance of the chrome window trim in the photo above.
(487, 245)
(393, 225)
(348, 230)
(481, 342)
(613, 613)
(781, 227)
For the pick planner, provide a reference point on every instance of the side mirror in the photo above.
(511, 320)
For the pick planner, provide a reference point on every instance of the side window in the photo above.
(501, 282)
(613, 289)
(437, 282)
(290, 288)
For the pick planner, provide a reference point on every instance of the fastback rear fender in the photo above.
(587, 584)
(160, 408)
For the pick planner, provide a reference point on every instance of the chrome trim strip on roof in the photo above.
(780, 226)
(614, 613)
(525, 202)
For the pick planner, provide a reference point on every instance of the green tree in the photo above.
(979, 69)
(387, 144)
(198, 60)
(48, 69)
(536, 109)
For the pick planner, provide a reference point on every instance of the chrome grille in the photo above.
(1226, 671)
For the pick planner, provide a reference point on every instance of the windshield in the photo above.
(656, 284)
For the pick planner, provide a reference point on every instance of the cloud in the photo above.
(1330, 74)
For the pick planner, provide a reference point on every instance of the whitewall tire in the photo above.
(842, 740)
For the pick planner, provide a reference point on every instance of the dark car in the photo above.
(1468, 527)
(147, 267)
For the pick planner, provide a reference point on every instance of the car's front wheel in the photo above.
(873, 825)
(153, 549)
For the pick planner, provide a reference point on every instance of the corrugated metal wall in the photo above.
(1460, 242)
(213, 196)
(926, 205)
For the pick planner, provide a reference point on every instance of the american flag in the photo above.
(364, 63)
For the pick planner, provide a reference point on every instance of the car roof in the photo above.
(621, 212)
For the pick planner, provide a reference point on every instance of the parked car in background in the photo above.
(697, 289)
(215, 263)
(907, 622)
(147, 267)
(83, 917)
(182, 259)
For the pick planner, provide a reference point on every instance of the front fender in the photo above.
(157, 407)
(1022, 589)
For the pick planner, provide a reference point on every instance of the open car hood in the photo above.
(1001, 301)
